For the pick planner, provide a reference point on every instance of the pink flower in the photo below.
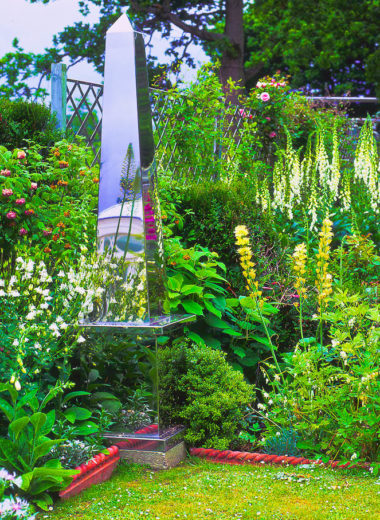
(22, 232)
(20, 201)
(272, 134)
(47, 232)
(265, 96)
(29, 212)
(7, 192)
(267, 118)
(21, 155)
(33, 185)
(5, 173)
(11, 215)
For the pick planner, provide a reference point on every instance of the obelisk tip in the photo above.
(122, 25)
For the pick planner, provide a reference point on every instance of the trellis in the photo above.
(78, 107)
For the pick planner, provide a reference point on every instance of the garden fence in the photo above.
(78, 107)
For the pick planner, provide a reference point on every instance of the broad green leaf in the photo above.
(72, 395)
(7, 409)
(87, 428)
(38, 420)
(8, 452)
(45, 448)
(18, 425)
(211, 308)
(26, 399)
(264, 341)
(192, 307)
(80, 414)
(239, 351)
(196, 338)
(50, 420)
(191, 289)
(175, 282)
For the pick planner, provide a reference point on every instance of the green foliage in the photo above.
(27, 442)
(330, 394)
(23, 121)
(200, 390)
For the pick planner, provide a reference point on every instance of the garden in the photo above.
(267, 203)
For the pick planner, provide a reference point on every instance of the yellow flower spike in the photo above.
(299, 267)
(324, 279)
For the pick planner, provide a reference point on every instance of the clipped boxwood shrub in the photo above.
(200, 390)
(24, 120)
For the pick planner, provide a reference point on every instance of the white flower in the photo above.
(37, 346)
(343, 354)
(334, 343)
(351, 322)
(2, 283)
(31, 316)
(277, 377)
(81, 339)
(261, 406)
(54, 328)
(61, 274)
(17, 386)
(270, 401)
(14, 293)
(278, 434)
(12, 280)
(266, 395)
(15, 343)
(354, 456)
(45, 292)
(2, 293)
(44, 305)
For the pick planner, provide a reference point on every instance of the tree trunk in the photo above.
(232, 65)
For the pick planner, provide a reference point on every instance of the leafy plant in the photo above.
(28, 442)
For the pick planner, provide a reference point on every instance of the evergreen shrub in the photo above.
(199, 389)
(21, 121)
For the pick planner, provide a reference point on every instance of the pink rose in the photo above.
(267, 118)
(5, 173)
(265, 96)
(20, 201)
(33, 185)
(22, 232)
(11, 215)
(7, 192)
(272, 135)
(21, 155)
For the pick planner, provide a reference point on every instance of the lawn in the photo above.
(202, 490)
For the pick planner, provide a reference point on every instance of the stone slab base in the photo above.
(156, 459)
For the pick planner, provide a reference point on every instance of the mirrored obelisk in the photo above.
(130, 244)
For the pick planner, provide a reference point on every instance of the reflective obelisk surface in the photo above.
(129, 227)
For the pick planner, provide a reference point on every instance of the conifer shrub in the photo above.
(200, 390)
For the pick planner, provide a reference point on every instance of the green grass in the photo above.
(201, 490)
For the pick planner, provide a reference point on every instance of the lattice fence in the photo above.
(84, 112)
(179, 149)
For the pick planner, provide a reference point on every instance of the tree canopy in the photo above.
(329, 46)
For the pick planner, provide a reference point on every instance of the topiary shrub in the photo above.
(21, 121)
(200, 390)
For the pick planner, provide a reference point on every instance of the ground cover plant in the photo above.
(201, 490)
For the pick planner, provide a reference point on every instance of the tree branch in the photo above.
(164, 14)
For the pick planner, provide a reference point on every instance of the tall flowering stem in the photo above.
(299, 268)
(324, 279)
(248, 268)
